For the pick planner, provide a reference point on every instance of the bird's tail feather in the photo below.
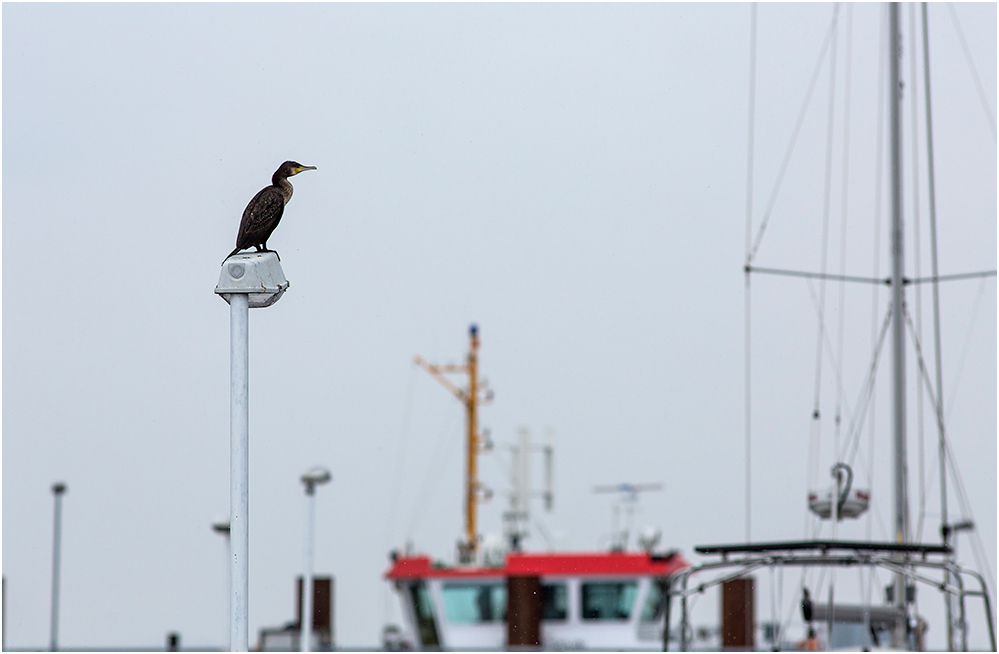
(232, 253)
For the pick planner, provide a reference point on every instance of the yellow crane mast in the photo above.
(470, 398)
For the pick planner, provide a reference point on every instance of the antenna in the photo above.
(628, 496)
(517, 519)
(549, 452)
(470, 398)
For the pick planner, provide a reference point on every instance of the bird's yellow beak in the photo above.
(301, 168)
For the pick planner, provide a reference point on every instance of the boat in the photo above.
(895, 623)
(495, 596)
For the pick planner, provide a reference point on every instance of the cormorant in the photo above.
(264, 211)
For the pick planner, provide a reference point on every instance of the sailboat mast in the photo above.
(898, 294)
(897, 281)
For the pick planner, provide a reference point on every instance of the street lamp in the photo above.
(246, 281)
(58, 489)
(312, 478)
(221, 526)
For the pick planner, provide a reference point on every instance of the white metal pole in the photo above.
(307, 591)
(899, 636)
(57, 489)
(838, 479)
(239, 464)
(931, 177)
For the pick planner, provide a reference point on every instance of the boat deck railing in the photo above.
(907, 559)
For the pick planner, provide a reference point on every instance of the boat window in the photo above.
(474, 603)
(608, 600)
(852, 635)
(652, 610)
(554, 602)
(424, 614)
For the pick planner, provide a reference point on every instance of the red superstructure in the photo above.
(541, 564)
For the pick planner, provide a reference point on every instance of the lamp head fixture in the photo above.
(315, 476)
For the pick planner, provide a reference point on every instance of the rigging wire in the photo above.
(949, 278)
(433, 477)
(874, 511)
(844, 194)
(808, 572)
(789, 616)
(749, 229)
(867, 393)
(816, 425)
(878, 177)
(794, 138)
(815, 431)
(921, 361)
(978, 550)
(917, 257)
(507, 471)
(780, 600)
(545, 534)
(875, 508)
(856, 426)
(400, 455)
(834, 359)
(974, 71)
(931, 183)
(825, 220)
(773, 601)
(943, 444)
(948, 406)
(865, 594)
(962, 493)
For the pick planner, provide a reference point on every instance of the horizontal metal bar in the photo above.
(948, 278)
(869, 280)
(837, 278)
(700, 588)
(748, 565)
(857, 546)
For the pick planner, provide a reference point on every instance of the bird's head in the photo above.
(290, 168)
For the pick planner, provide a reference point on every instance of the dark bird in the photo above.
(264, 211)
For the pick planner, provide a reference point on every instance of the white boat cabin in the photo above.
(588, 600)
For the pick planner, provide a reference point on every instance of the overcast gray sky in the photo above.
(570, 177)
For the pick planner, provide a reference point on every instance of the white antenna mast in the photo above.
(628, 496)
(517, 519)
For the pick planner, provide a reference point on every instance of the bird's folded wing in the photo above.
(262, 213)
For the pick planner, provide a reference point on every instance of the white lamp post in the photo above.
(57, 489)
(247, 280)
(312, 478)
